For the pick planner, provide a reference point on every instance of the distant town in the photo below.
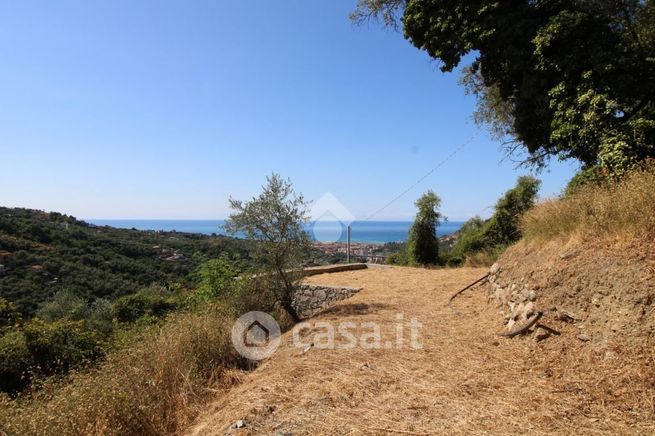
(369, 252)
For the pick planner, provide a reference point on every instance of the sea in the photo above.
(374, 232)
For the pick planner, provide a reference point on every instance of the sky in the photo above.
(139, 109)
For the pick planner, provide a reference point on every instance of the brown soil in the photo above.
(609, 289)
(464, 379)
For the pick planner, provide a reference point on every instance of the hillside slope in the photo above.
(465, 379)
(607, 292)
(43, 253)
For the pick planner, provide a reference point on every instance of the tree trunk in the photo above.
(287, 299)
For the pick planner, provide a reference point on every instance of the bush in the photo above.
(470, 238)
(142, 304)
(57, 347)
(15, 363)
(69, 306)
(481, 242)
(216, 279)
(153, 385)
(398, 258)
(9, 314)
(503, 226)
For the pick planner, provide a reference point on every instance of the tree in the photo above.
(275, 220)
(503, 226)
(422, 244)
(9, 314)
(561, 78)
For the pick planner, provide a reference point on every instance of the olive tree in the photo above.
(275, 220)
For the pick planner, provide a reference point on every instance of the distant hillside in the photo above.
(42, 253)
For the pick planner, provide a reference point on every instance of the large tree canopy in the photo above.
(564, 78)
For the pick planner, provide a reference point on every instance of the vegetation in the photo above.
(622, 211)
(69, 290)
(480, 241)
(275, 221)
(152, 385)
(47, 253)
(565, 79)
(157, 371)
(422, 244)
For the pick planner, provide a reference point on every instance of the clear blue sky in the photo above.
(163, 109)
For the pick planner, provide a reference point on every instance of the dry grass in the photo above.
(481, 258)
(464, 380)
(624, 210)
(156, 385)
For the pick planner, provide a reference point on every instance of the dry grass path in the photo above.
(463, 380)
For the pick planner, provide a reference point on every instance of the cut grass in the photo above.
(464, 379)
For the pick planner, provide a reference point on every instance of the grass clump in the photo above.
(154, 380)
(606, 210)
(155, 385)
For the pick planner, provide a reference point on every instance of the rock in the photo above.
(239, 424)
(528, 310)
(311, 299)
(531, 295)
(566, 316)
(584, 337)
(494, 269)
(540, 334)
(596, 300)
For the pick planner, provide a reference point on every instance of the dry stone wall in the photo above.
(308, 299)
(516, 301)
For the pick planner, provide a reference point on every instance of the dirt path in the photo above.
(463, 379)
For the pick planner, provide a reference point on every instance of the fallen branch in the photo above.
(452, 297)
(521, 329)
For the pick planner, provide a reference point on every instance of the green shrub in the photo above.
(471, 238)
(503, 226)
(57, 347)
(9, 314)
(15, 362)
(142, 304)
(67, 305)
(397, 259)
(479, 242)
(155, 384)
(216, 279)
(64, 305)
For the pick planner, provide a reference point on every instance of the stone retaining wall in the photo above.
(311, 299)
(516, 301)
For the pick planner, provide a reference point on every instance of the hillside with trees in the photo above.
(46, 253)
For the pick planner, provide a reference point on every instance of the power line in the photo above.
(428, 174)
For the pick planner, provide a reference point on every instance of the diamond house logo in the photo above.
(256, 335)
(328, 218)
